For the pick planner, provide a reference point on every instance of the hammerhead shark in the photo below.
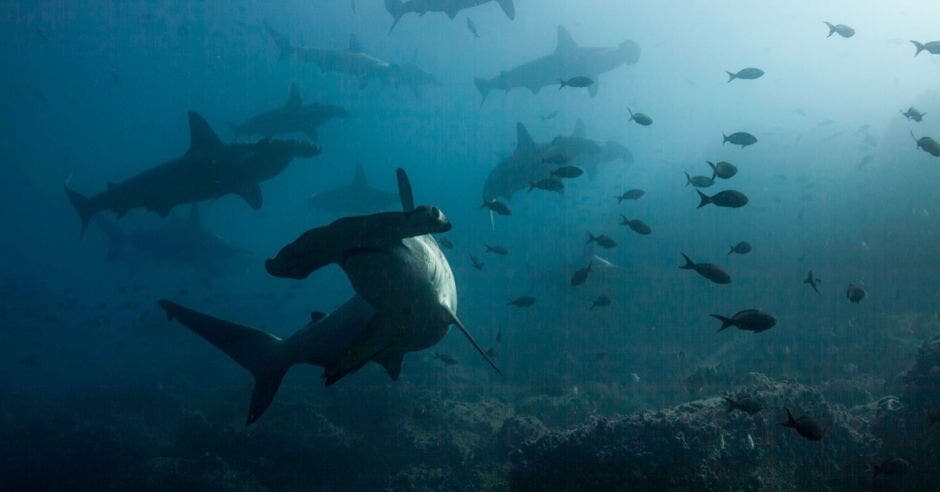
(208, 170)
(398, 8)
(406, 300)
(568, 60)
(354, 61)
(293, 117)
(355, 198)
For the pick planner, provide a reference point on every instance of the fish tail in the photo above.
(731, 250)
(631, 114)
(725, 321)
(591, 237)
(285, 49)
(563, 84)
(791, 422)
(483, 87)
(86, 210)
(705, 199)
(688, 179)
(919, 46)
(397, 9)
(689, 264)
(731, 76)
(832, 28)
(714, 169)
(724, 138)
(915, 139)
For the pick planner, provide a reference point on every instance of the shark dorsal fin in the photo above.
(194, 216)
(523, 139)
(201, 135)
(359, 178)
(565, 41)
(293, 97)
(404, 191)
(579, 131)
(354, 45)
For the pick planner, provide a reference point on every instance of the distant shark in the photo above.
(532, 161)
(183, 241)
(568, 60)
(354, 61)
(355, 198)
(398, 8)
(292, 117)
(209, 169)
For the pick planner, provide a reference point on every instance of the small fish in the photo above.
(928, 144)
(634, 377)
(633, 194)
(559, 158)
(550, 116)
(891, 467)
(741, 248)
(602, 240)
(745, 404)
(727, 198)
(707, 270)
(568, 172)
(638, 226)
(446, 359)
(640, 118)
(840, 29)
(749, 73)
(932, 47)
(581, 275)
(601, 301)
(748, 320)
(855, 293)
(491, 352)
(548, 184)
(497, 206)
(723, 170)
(496, 249)
(443, 241)
(750, 440)
(913, 114)
(522, 302)
(739, 138)
(577, 81)
(805, 426)
(476, 262)
(812, 281)
(698, 181)
(472, 28)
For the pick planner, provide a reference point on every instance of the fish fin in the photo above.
(919, 46)
(376, 337)
(483, 87)
(252, 196)
(832, 28)
(791, 422)
(725, 321)
(579, 130)
(731, 76)
(255, 350)
(724, 138)
(565, 41)
(731, 250)
(293, 97)
(508, 8)
(463, 329)
(391, 360)
(705, 199)
(688, 179)
(405, 194)
(83, 206)
(689, 264)
(592, 89)
(714, 169)
(201, 135)
(524, 141)
(280, 40)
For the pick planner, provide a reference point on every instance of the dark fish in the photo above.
(932, 47)
(637, 225)
(698, 181)
(601, 301)
(522, 302)
(747, 320)
(745, 404)
(812, 281)
(446, 359)
(929, 145)
(568, 172)
(913, 114)
(739, 138)
(491, 352)
(633, 194)
(472, 28)
(741, 248)
(496, 249)
(548, 184)
(855, 293)
(476, 262)
(891, 467)
(443, 241)
(578, 81)
(559, 158)
(707, 270)
(581, 275)
(603, 240)
(316, 316)
(497, 206)
(805, 426)
(550, 115)
(749, 73)
(640, 118)
(840, 29)
(727, 198)
(723, 170)
(499, 336)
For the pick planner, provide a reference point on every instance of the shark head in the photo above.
(629, 52)
(425, 219)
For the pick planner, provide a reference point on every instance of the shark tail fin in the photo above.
(259, 352)
(919, 46)
(397, 9)
(83, 206)
(284, 47)
(508, 7)
(483, 86)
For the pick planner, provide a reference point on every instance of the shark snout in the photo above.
(286, 267)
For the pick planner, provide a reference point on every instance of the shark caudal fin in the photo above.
(397, 9)
(483, 86)
(508, 7)
(284, 47)
(83, 206)
(260, 353)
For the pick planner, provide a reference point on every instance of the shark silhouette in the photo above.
(293, 117)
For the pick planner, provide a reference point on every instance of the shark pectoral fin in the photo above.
(252, 195)
(463, 329)
(452, 13)
(391, 360)
(508, 7)
(592, 89)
